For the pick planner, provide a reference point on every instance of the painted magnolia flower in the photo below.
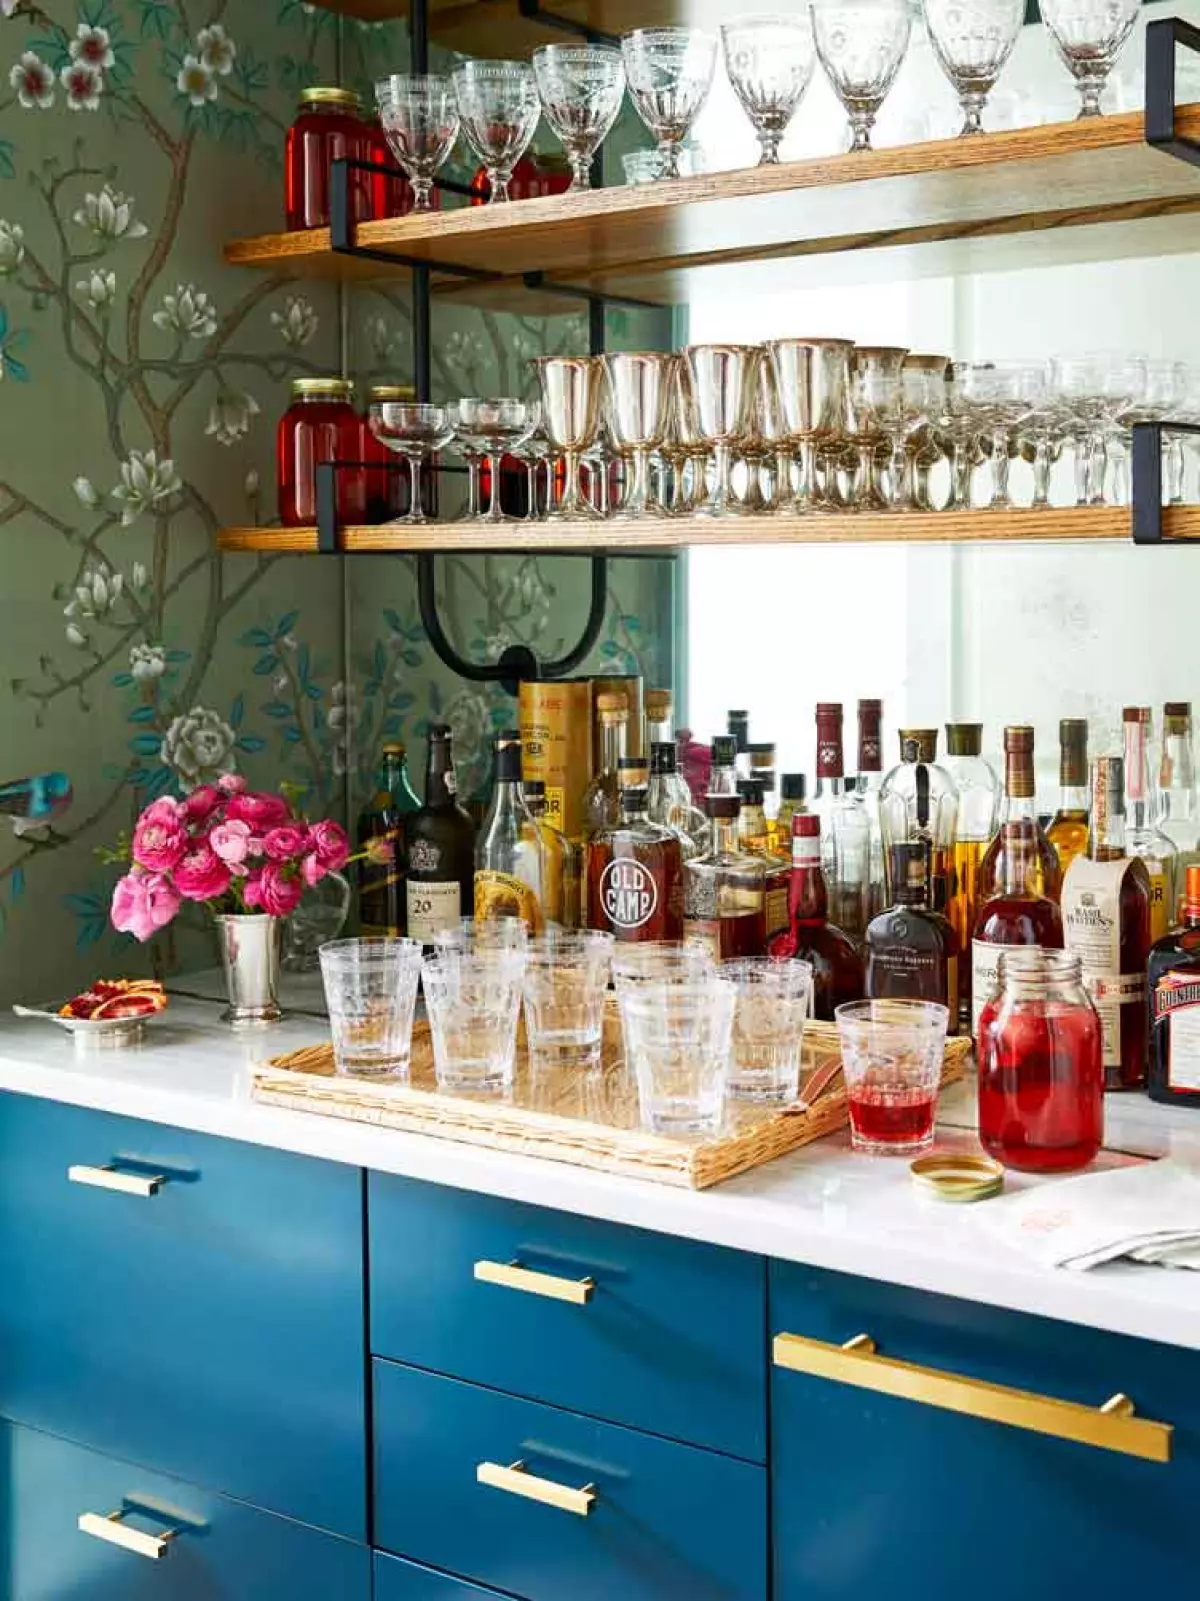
(145, 482)
(382, 338)
(34, 82)
(297, 322)
(196, 82)
(12, 247)
(99, 289)
(230, 416)
(469, 717)
(138, 577)
(147, 661)
(92, 46)
(76, 636)
(95, 594)
(86, 493)
(198, 747)
(83, 85)
(217, 50)
(109, 215)
(189, 311)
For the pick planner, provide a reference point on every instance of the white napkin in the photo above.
(1147, 1213)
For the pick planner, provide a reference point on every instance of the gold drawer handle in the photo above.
(515, 1277)
(1111, 1427)
(111, 1178)
(115, 1531)
(517, 1481)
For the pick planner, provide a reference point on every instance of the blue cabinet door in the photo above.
(218, 1550)
(396, 1580)
(669, 1339)
(212, 1330)
(876, 1495)
(645, 1519)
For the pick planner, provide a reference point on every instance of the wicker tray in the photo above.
(590, 1120)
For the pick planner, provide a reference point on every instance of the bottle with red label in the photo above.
(1173, 986)
(845, 829)
(635, 874)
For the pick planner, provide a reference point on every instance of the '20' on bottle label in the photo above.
(628, 894)
(432, 907)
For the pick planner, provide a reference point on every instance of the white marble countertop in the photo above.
(823, 1206)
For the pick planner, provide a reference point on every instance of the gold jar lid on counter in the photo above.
(958, 1178)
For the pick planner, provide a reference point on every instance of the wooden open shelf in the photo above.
(938, 199)
(496, 27)
(651, 534)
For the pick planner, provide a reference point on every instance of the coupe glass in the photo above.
(532, 451)
(637, 392)
(861, 44)
(420, 121)
(581, 88)
(571, 417)
(770, 62)
(472, 450)
(1161, 396)
(414, 430)
(499, 106)
(972, 40)
(1005, 394)
(719, 392)
(670, 72)
(914, 451)
(498, 425)
(1090, 35)
(1092, 392)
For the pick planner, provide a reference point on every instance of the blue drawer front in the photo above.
(214, 1330)
(223, 1552)
(671, 1340)
(396, 1580)
(669, 1521)
(873, 1494)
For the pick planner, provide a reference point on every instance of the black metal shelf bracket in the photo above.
(533, 11)
(1146, 479)
(343, 232)
(1162, 40)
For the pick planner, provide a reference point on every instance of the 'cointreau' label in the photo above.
(1175, 1007)
(1091, 911)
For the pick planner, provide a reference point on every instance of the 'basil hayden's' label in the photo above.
(1091, 912)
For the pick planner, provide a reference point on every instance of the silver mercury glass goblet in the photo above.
(812, 381)
(669, 72)
(499, 106)
(637, 391)
(412, 429)
(581, 87)
(571, 387)
(860, 44)
(720, 393)
(1089, 36)
(770, 62)
(973, 40)
(419, 116)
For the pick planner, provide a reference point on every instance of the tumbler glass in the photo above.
(768, 1027)
(678, 1037)
(470, 934)
(892, 1063)
(566, 986)
(473, 1001)
(371, 994)
(648, 961)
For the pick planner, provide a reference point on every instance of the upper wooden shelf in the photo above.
(496, 27)
(936, 200)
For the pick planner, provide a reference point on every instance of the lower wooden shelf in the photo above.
(649, 534)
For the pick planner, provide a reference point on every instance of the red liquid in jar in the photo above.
(892, 1115)
(1041, 1082)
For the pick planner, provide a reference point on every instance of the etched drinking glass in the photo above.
(571, 392)
(581, 87)
(498, 425)
(1089, 36)
(1161, 396)
(861, 44)
(637, 393)
(499, 106)
(875, 404)
(414, 430)
(471, 934)
(419, 116)
(719, 392)
(892, 1063)
(669, 72)
(1004, 394)
(473, 1001)
(1092, 391)
(678, 1037)
(566, 987)
(770, 62)
(973, 40)
(914, 447)
(768, 1027)
(371, 995)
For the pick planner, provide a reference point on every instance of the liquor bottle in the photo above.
(440, 854)
(912, 951)
(556, 746)
(723, 774)
(669, 801)
(510, 868)
(1019, 825)
(1106, 922)
(1180, 820)
(870, 780)
(761, 756)
(754, 836)
(737, 726)
(1068, 832)
(381, 906)
(601, 798)
(1173, 985)
(793, 789)
(837, 967)
(563, 874)
(660, 717)
(635, 875)
(1143, 837)
(845, 829)
(725, 889)
(974, 827)
(917, 801)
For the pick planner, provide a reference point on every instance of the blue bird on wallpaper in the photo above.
(34, 804)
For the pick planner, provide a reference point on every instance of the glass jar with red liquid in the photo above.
(1041, 1064)
(320, 425)
(328, 127)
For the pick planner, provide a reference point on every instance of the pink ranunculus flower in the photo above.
(142, 903)
(201, 875)
(202, 803)
(328, 839)
(311, 869)
(259, 810)
(160, 837)
(232, 783)
(252, 891)
(285, 843)
(230, 841)
(280, 893)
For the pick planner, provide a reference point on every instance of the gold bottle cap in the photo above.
(322, 389)
(658, 704)
(385, 392)
(612, 707)
(330, 95)
(918, 744)
(958, 1178)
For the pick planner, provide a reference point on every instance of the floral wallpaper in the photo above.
(140, 382)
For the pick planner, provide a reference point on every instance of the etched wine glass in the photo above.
(419, 116)
(581, 87)
(499, 106)
(875, 403)
(973, 40)
(1089, 36)
(860, 44)
(412, 429)
(669, 72)
(770, 62)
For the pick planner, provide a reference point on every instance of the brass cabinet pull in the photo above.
(111, 1178)
(1111, 1427)
(518, 1481)
(515, 1277)
(112, 1528)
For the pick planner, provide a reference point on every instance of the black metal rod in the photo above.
(596, 328)
(422, 333)
(591, 631)
(538, 280)
(476, 672)
(1146, 478)
(418, 34)
(1162, 39)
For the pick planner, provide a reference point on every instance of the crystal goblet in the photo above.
(571, 416)
(532, 451)
(914, 451)
(669, 72)
(498, 425)
(770, 62)
(1093, 391)
(581, 87)
(719, 391)
(973, 40)
(499, 106)
(875, 403)
(637, 391)
(1089, 36)
(419, 116)
(812, 381)
(1005, 393)
(414, 430)
(861, 44)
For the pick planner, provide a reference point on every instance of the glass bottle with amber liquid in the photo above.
(845, 828)
(838, 973)
(725, 889)
(1143, 837)
(634, 874)
(440, 851)
(562, 886)
(1068, 831)
(793, 798)
(912, 951)
(1173, 987)
(601, 799)
(975, 826)
(1020, 829)
(754, 836)
(381, 895)
(510, 867)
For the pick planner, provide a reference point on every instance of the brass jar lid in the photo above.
(322, 389)
(330, 95)
(958, 1178)
(390, 392)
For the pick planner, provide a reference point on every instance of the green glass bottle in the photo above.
(381, 900)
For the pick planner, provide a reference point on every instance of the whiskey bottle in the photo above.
(754, 836)
(737, 726)
(845, 829)
(561, 859)
(669, 801)
(837, 967)
(725, 889)
(793, 789)
(601, 798)
(974, 828)
(723, 775)
(1106, 922)
(660, 715)
(912, 951)
(1173, 986)
(510, 869)
(1143, 837)
(440, 854)
(1180, 820)
(1020, 828)
(381, 899)
(634, 875)
(1068, 831)
(762, 770)
(918, 802)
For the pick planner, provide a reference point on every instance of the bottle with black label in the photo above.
(1173, 985)
(912, 951)
(381, 908)
(441, 847)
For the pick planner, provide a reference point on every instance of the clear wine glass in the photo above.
(861, 44)
(498, 425)
(1162, 394)
(973, 40)
(770, 62)
(875, 402)
(419, 117)
(1089, 36)
(414, 430)
(669, 71)
(499, 106)
(922, 399)
(581, 87)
